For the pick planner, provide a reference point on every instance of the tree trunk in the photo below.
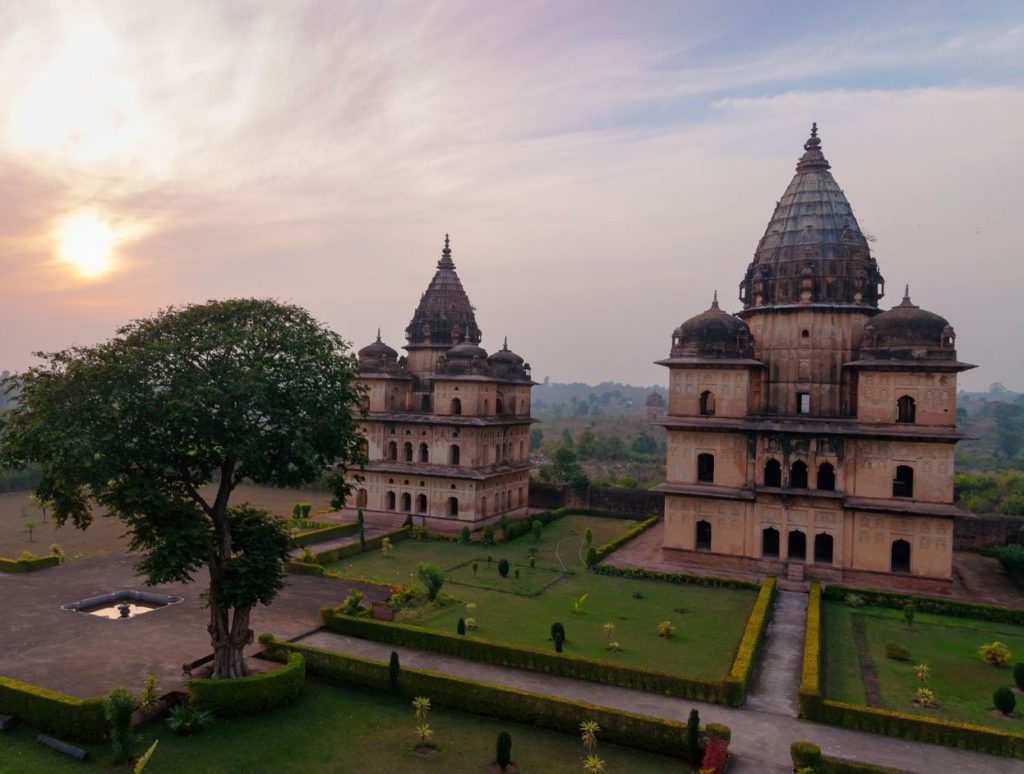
(229, 635)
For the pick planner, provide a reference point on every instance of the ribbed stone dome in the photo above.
(713, 333)
(466, 351)
(813, 250)
(506, 356)
(444, 316)
(376, 350)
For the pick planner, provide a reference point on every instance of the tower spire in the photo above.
(446, 256)
(714, 303)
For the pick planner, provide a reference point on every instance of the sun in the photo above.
(86, 242)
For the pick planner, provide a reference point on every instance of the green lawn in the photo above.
(521, 610)
(962, 683)
(331, 729)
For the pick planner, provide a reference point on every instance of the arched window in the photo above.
(424, 403)
(707, 403)
(899, 558)
(407, 451)
(389, 501)
(424, 453)
(797, 548)
(773, 473)
(906, 410)
(497, 453)
(487, 407)
(703, 535)
(421, 503)
(706, 467)
(453, 454)
(522, 450)
(406, 502)
(798, 475)
(483, 506)
(456, 406)
(361, 497)
(392, 450)
(770, 543)
(499, 406)
(826, 477)
(453, 506)
(519, 499)
(903, 484)
(823, 549)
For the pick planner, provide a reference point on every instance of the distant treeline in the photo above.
(19, 480)
(991, 492)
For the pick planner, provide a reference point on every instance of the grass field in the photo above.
(962, 682)
(520, 611)
(331, 729)
(105, 536)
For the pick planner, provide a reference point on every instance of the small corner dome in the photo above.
(376, 350)
(466, 351)
(907, 331)
(506, 356)
(713, 333)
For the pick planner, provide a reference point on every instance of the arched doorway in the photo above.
(453, 506)
(389, 501)
(407, 451)
(421, 503)
(798, 475)
(453, 456)
(823, 549)
(456, 406)
(903, 484)
(703, 535)
(906, 410)
(706, 468)
(797, 545)
(770, 543)
(707, 403)
(424, 453)
(826, 477)
(406, 502)
(773, 473)
(899, 560)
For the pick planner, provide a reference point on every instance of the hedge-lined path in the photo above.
(777, 677)
(327, 545)
(760, 740)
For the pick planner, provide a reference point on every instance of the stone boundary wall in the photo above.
(973, 533)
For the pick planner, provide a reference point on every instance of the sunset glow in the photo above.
(86, 242)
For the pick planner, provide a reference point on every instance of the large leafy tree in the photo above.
(201, 394)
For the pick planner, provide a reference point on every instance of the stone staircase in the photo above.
(794, 578)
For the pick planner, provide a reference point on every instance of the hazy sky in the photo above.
(602, 167)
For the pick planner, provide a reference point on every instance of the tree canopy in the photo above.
(216, 392)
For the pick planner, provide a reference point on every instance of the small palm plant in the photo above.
(589, 729)
(666, 629)
(593, 764)
(421, 706)
(922, 671)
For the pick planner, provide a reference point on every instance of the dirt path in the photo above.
(872, 696)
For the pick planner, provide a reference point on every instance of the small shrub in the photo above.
(908, 614)
(517, 573)
(594, 764)
(666, 629)
(461, 626)
(556, 630)
(638, 595)
(897, 652)
(533, 562)
(186, 720)
(57, 551)
(609, 630)
(503, 568)
(503, 750)
(588, 536)
(26, 555)
(353, 603)
(1004, 700)
(385, 546)
(471, 624)
(693, 751)
(1018, 675)
(476, 566)
(589, 729)
(297, 511)
(489, 535)
(924, 697)
(420, 533)
(118, 708)
(464, 535)
(591, 556)
(432, 578)
(995, 653)
(394, 668)
(537, 529)
(854, 600)
(805, 755)
(150, 697)
(307, 556)
(922, 671)
(614, 646)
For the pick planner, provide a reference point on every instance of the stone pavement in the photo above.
(776, 679)
(760, 740)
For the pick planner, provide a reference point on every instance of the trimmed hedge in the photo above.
(522, 527)
(68, 717)
(889, 722)
(330, 532)
(355, 548)
(602, 551)
(29, 565)
(950, 607)
(805, 754)
(673, 577)
(617, 727)
(809, 698)
(250, 695)
(533, 659)
(743, 665)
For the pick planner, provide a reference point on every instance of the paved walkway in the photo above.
(777, 677)
(760, 740)
(326, 545)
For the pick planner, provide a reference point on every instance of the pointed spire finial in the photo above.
(814, 129)
(812, 157)
(906, 292)
(446, 255)
(505, 345)
(714, 303)
(378, 333)
(906, 303)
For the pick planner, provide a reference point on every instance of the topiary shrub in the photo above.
(464, 535)
(503, 750)
(503, 568)
(693, 750)
(393, 670)
(591, 556)
(557, 630)
(559, 639)
(806, 756)
(1004, 700)
(118, 708)
(461, 627)
(489, 535)
(432, 578)
(897, 652)
(1018, 675)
